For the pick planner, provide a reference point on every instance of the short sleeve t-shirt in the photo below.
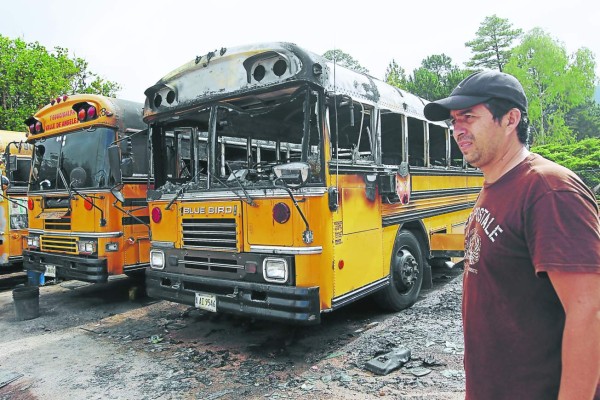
(536, 218)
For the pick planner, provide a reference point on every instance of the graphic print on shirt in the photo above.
(472, 249)
(480, 223)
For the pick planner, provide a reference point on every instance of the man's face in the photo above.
(478, 136)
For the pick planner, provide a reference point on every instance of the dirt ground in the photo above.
(109, 342)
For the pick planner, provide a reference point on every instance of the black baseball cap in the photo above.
(476, 89)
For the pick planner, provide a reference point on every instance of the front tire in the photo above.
(406, 274)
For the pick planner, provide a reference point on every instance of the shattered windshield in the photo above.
(237, 142)
(78, 157)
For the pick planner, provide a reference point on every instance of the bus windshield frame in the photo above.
(237, 141)
(80, 156)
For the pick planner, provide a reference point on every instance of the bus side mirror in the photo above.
(116, 192)
(114, 160)
(346, 102)
(294, 174)
(5, 183)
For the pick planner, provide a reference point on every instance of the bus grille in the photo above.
(61, 244)
(211, 264)
(210, 233)
(61, 224)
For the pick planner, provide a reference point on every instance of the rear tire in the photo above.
(406, 274)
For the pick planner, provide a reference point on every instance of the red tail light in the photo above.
(30, 204)
(91, 112)
(34, 125)
(85, 111)
(156, 215)
(88, 204)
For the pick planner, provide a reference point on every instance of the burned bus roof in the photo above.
(228, 72)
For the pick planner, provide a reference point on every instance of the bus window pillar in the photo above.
(448, 147)
(426, 144)
(404, 124)
(376, 129)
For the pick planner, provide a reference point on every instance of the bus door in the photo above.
(358, 259)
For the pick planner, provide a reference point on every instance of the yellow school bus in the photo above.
(76, 228)
(287, 187)
(14, 168)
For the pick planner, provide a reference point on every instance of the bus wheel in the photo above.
(406, 274)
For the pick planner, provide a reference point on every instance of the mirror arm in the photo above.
(129, 213)
(307, 235)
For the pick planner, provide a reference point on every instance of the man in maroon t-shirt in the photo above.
(531, 301)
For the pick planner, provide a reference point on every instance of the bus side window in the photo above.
(456, 157)
(416, 142)
(141, 156)
(437, 146)
(350, 133)
(391, 138)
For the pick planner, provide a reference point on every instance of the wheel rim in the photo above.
(407, 271)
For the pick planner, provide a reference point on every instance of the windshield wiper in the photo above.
(72, 190)
(248, 198)
(183, 188)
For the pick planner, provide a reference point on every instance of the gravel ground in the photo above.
(91, 342)
(431, 330)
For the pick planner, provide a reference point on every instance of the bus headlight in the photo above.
(33, 242)
(275, 269)
(86, 246)
(157, 259)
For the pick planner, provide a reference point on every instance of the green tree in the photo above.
(555, 83)
(30, 76)
(395, 75)
(582, 157)
(345, 60)
(491, 46)
(584, 120)
(434, 79)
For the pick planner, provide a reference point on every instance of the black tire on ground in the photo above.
(406, 274)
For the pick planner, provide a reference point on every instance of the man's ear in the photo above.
(513, 117)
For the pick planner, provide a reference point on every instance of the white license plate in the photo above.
(50, 271)
(206, 302)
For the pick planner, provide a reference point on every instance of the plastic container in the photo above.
(386, 363)
(27, 302)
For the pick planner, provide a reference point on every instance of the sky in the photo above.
(135, 42)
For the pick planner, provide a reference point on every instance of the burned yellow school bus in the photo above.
(77, 230)
(14, 168)
(286, 187)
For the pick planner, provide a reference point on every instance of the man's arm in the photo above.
(579, 294)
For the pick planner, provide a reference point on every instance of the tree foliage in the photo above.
(395, 75)
(583, 157)
(584, 120)
(491, 46)
(345, 60)
(30, 76)
(433, 80)
(555, 83)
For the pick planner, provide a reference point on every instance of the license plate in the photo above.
(206, 302)
(50, 271)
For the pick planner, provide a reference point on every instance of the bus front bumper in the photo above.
(67, 266)
(287, 304)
